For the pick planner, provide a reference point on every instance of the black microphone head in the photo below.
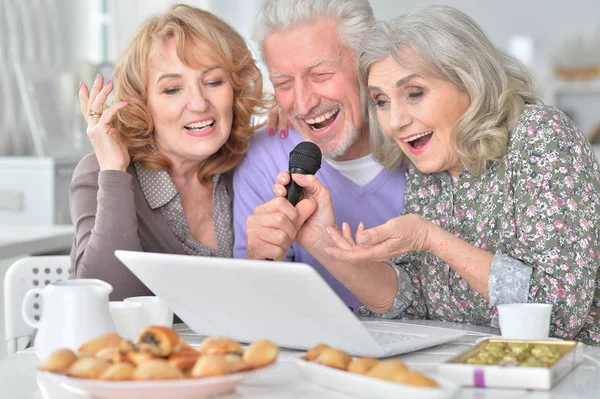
(306, 156)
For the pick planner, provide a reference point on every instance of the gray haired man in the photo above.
(310, 48)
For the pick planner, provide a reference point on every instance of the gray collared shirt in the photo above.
(161, 193)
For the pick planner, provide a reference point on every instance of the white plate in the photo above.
(359, 385)
(164, 389)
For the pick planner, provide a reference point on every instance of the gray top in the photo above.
(110, 211)
(160, 193)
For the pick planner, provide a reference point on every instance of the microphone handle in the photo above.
(294, 191)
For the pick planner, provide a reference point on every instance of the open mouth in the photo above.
(322, 121)
(418, 140)
(199, 127)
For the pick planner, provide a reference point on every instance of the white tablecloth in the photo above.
(18, 375)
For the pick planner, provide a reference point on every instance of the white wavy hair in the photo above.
(451, 46)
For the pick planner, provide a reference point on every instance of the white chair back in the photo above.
(24, 274)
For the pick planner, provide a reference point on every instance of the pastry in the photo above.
(184, 359)
(412, 377)
(334, 358)
(208, 366)
(103, 341)
(157, 369)
(314, 352)
(58, 361)
(88, 367)
(159, 340)
(260, 353)
(112, 354)
(387, 369)
(137, 357)
(362, 365)
(118, 372)
(220, 346)
(236, 363)
(126, 346)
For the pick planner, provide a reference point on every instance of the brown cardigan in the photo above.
(110, 212)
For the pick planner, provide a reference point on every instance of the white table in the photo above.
(23, 240)
(18, 375)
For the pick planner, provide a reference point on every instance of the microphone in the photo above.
(305, 159)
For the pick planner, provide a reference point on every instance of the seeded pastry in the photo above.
(158, 340)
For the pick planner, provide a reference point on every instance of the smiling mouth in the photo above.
(418, 140)
(322, 121)
(200, 126)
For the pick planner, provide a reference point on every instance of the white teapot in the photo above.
(74, 311)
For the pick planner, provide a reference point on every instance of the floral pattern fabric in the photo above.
(540, 207)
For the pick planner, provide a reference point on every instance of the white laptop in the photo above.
(287, 303)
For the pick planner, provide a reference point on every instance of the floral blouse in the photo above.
(538, 212)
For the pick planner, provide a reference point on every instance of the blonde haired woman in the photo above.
(159, 181)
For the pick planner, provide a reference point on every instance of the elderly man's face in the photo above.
(315, 82)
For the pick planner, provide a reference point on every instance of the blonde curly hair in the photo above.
(193, 30)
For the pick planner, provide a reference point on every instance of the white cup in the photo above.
(127, 317)
(154, 312)
(525, 320)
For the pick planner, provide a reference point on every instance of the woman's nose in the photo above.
(198, 102)
(399, 117)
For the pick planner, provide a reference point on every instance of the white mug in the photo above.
(128, 318)
(154, 312)
(525, 320)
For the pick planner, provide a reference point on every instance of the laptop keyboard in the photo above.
(386, 338)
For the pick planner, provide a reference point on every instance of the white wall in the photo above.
(548, 22)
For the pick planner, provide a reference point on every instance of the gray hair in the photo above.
(355, 17)
(450, 46)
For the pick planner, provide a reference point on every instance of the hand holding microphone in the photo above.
(305, 159)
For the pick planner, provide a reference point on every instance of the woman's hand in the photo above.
(402, 234)
(278, 122)
(111, 152)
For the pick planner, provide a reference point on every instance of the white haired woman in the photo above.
(503, 194)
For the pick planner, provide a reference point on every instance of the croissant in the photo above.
(220, 346)
(387, 369)
(314, 352)
(412, 377)
(118, 372)
(334, 358)
(208, 366)
(157, 369)
(103, 341)
(88, 367)
(184, 359)
(158, 340)
(362, 365)
(260, 353)
(58, 361)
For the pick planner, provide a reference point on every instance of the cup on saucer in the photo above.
(525, 320)
(127, 317)
(154, 311)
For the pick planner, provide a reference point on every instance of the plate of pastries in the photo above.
(369, 377)
(159, 364)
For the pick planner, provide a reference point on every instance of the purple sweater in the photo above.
(373, 204)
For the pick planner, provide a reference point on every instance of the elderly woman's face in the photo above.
(192, 109)
(418, 112)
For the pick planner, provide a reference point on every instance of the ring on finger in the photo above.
(94, 114)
